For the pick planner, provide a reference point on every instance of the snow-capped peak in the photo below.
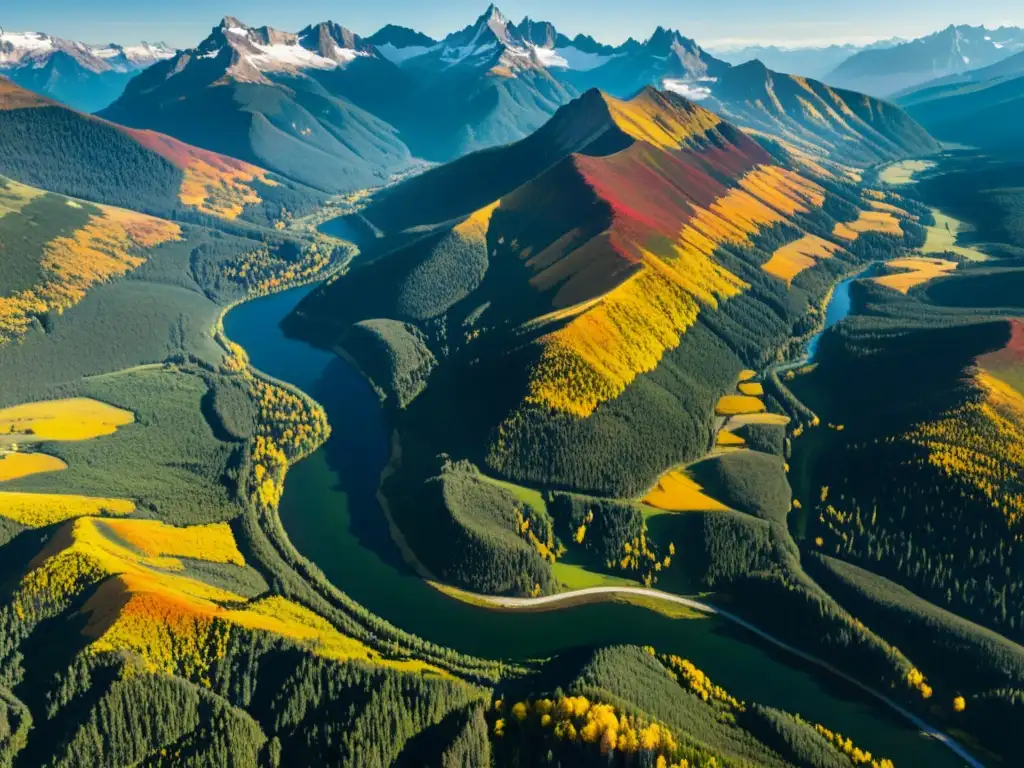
(34, 49)
(255, 51)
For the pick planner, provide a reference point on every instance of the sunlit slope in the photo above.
(48, 145)
(56, 249)
(146, 601)
(548, 301)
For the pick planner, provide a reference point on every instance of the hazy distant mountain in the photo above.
(85, 77)
(983, 107)
(950, 51)
(285, 101)
(810, 61)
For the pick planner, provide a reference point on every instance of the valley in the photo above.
(494, 398)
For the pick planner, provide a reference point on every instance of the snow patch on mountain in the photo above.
(399, 55)
(580, 61)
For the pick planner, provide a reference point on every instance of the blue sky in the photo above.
(184, 23)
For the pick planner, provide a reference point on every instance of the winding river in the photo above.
(331, 513)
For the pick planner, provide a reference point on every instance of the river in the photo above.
(330, 511)
(839, 305)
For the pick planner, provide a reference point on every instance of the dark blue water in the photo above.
(839, 306)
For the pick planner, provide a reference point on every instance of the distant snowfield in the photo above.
(398, 55)
(573, 58)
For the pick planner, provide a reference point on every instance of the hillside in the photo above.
(577, 299)
(839, 124)
(809, 61)
(256, 94)
(48, 145)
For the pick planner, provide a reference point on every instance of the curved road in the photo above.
(526, 603)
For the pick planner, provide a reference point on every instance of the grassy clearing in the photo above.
(15, 465)
(913, 271)
(665, 607)
(526, 495)
(903, 172)
(76, 418)
(943, 235)
(576, 576)
(676, 491)
(169, 460)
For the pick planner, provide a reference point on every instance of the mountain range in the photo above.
(337, 111)
(83, 76)
(955, 49)
(810, 61)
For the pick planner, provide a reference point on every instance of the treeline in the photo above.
(266, 702)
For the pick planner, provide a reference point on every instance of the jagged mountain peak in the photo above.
(332, 41)
(248, 53)
(541, 33)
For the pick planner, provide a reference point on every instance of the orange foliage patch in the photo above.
(214, 543)
(599, 352)
(595, 356)
(727, 439)
(890, 208)
(752, 388)
(73, 418)
(15, 97)
(214, 184)
(912, 271)
(869, 221)
(732, 405)
(104, 248)
(793, 258)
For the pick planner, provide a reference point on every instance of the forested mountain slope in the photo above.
(48, 145)
(277, 100)
(562, 315)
